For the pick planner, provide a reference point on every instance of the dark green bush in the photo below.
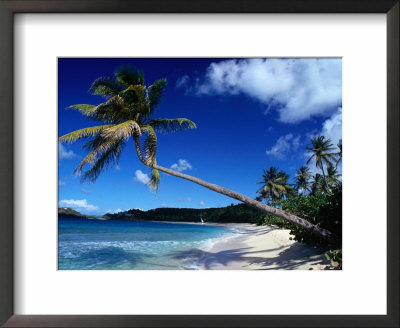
(324, 210)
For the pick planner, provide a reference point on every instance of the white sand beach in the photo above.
(262, 248)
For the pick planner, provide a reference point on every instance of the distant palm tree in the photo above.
(127, 114)
(318, 184)
(321, 152)
(339, 153)
(303, 179)
(275, 184)
(333, 177)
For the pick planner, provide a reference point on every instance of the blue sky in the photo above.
(250, 114)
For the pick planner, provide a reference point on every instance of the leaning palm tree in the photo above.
(127, 113)
(303, 179)
(274, 184)
(321, 151)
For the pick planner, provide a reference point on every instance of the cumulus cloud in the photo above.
(297, 88)
(63, 153)
(78, 204)
(202, 203)
(182, 165)
(141, 177)
(332, 127)
(283, 145)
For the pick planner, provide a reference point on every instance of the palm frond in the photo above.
(155, 178)
(122, 131)
(83, 133)
(106, 146)
(109, 157)
(111, 111)
(84, 109)
(155, 92)
(166, 125)
(134, 97)
(149, 145)
(128, 75)
(105, 86)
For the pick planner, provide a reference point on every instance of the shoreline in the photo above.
(261, 248)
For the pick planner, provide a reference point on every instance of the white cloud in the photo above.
(79, 204)
(283, 145)
(141, 177)
(63, 153)
(182, 165)
(332, 127)
(117, 210)
(202, 203)
(182, 81)
(61, 183)
(86, 191)
(297, 88)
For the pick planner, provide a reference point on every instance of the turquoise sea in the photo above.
(122, 245)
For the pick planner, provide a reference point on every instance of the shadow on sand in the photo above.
(289, 258)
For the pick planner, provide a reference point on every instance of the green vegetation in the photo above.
(318, 198)
(335, 257)
(321, 152)
(275, 185)
(303, 180)
(67, 212)
(322, 209)
(128, 111)
(240, 213)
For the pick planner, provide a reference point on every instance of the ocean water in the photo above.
(122, 245)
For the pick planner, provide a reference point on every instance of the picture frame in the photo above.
(10, 7)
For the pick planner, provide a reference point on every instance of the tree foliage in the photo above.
(127, 114)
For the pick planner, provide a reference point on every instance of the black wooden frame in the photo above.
(7, 10)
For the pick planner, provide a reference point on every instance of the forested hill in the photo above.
(233, 213)
(67, 212)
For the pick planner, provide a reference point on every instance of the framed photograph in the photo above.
(182, 165)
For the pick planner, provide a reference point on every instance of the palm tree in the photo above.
(318, 184)
(303, 178)
(127, 113)
(321, 152)
(339, 154)
(333, 177)
(274, 184)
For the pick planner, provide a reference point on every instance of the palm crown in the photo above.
(321, 151)
(126, 113)
(274, 184)
(303, 178)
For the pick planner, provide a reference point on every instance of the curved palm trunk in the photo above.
(247, 200)
(253, 203)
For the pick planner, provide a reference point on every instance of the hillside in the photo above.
(67, 212)
(234, 214)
